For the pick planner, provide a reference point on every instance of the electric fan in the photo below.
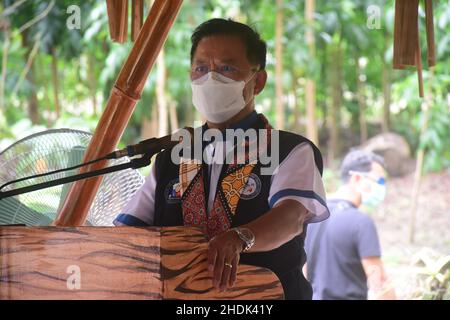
(54, 150)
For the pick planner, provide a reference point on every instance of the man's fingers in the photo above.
(218, 269)
(234, 270)
(227, 269)
(212, 255)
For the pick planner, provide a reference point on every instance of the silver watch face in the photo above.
(247, 236)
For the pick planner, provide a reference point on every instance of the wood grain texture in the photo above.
(118, 263)
(185, 274)
(115, 263)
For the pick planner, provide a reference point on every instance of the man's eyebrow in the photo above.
(199, 61)
(230, 60)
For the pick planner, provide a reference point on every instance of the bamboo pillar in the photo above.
(124, 96)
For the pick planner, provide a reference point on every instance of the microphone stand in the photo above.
(133, 164)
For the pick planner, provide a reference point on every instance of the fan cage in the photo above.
(53, 150)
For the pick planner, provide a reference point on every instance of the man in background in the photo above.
(343, 252)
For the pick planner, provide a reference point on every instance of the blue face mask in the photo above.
(376, 195)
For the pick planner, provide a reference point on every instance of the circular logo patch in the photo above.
(169, 192)
(252, 188)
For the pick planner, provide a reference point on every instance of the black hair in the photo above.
(256, 47)
(360, 161)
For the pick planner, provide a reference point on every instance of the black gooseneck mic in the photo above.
(146, 148)
(154, 144)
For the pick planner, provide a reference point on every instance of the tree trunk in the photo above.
(385, 123)
(149, 125)
(336, 101)
(310, 85)
(92, 82)
(324, 76)
(161, 97)
(279, 103)
(386, 80)
(420, 160)
(33, 106)
(173, 116)
(6, 45)
(55, 80)
(295, 127)
(362, 103)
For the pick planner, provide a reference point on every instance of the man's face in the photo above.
(226, 54)
(377, 174)
(371, 186)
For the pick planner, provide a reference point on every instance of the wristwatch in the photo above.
(247, 236)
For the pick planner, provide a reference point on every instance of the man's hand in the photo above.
(223, 259)
(276, 227)
(378, 283)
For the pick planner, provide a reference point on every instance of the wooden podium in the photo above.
(117, 263)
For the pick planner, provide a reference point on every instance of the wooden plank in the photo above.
(117, 263)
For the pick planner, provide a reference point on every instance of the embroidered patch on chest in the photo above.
(253, 187)
(172, 193)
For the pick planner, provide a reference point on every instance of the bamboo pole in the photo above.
(421, 154)
(310, 85)
(279, 103)
(124, 96)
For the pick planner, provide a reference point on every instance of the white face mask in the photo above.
(217, 97)
(375, 196)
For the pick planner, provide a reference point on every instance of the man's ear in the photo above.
(260, 83)
(355, 178)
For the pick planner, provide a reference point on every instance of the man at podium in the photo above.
(250, 214)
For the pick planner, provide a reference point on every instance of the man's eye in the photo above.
(201, 69)
(227, 69)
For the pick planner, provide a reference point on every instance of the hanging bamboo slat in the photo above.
(118, 19)
(406, 37)
(137, 18)
(120, 106)
(431, 53)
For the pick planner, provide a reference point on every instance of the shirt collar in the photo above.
(246, 123)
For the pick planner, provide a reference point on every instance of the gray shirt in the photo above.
(334, 250)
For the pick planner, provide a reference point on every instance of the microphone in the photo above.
(152, 145)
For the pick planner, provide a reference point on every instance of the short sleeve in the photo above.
(140, 210)
(298, 178)
(367, 240)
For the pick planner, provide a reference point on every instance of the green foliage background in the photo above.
(87, 54)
